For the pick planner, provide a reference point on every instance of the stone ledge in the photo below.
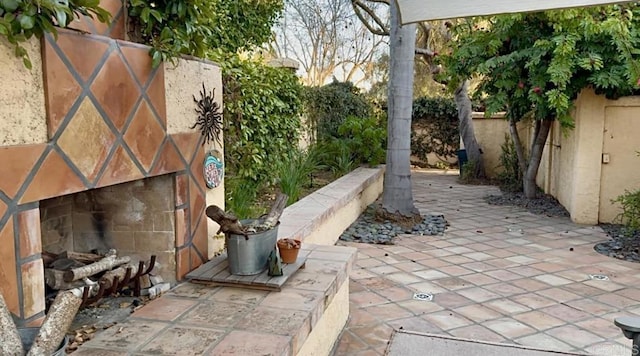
(307, 315)
(322, 216)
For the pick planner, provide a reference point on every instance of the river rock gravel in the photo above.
(367, 229)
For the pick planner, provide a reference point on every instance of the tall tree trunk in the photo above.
(474, 152)
(397, 196)
(515, 137)
(535, 157)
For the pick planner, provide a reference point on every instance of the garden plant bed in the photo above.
(542, 205)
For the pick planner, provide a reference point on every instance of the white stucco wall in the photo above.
(182, 82)
(22, 113)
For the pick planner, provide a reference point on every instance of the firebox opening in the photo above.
(137, 219)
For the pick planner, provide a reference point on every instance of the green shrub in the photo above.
(630, 215)
(510, 179)
(261, 117)
(436, 119)
(295, 171)
(327, 107)
(240, 197)
(365, 138)
(335, 156)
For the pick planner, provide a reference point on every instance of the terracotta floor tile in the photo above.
(601, 327)
(575, 336)
(165, 309)
(477, 332)
(192, 290)
(616, 300)
(192, 341)
(477, 313)
(415, 323)
(530, 285)
(478, 294)
(533, 301)
(359, 316)
(404, 278)
(295, 299)
(366, 298)
(539, 320)
(565, 313)
(396, 294)
(509, 328)
(215, 314)
(544, 341)
(373, 335)
(558, 294)
(389, 311)
(349, 344)
(447, 320)
(430, 274)
(276, 321)
(127, 336)
(250, 343)
(87, 351)
(506, 307)
(479, 279)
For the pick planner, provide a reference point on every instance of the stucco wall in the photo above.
(183, 82)
(22, 113)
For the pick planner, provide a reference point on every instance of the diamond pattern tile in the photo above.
(120, 169)
(17, 162)
(156, 94)
(3, 209)
(53, 179)
(29, 231)
(115, 90)
(168, 161)
(83, 51)
(137, 56)
(144, 135)
(187, 144)
(79, 143)
(32, 293)
(197, 204)
(62, 89)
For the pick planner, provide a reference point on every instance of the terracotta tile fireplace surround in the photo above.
(114, 171)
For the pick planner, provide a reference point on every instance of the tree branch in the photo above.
(359, 7)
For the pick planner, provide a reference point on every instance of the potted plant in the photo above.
(249, 242)
(288, 249)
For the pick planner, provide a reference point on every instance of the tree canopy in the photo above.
(535, 64)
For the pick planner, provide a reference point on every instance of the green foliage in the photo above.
(535, 64)
(365, 139)
(22, 19)
(434, 128)
(630, 215)
(194, 27)
(240, 197)
(261, 117)
(335, 155)
(510, 179)
(295, 171)
(467, 172)
(327, 107)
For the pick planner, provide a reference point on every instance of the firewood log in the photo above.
(10, 342)
(56, 324)
(107, 263)
(107, 279)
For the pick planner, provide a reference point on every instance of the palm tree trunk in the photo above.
(397, 197)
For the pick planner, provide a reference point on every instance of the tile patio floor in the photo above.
(498, 274)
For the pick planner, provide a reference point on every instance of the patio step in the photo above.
(305, 318)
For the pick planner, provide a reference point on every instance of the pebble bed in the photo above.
(366, 229)
(623, 245)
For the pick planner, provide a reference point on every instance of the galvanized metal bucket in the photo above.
(28, 336)
(250, 256)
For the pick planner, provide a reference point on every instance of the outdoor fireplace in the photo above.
(100, 154)
(137, 219)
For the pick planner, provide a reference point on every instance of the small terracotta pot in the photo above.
(288, 249)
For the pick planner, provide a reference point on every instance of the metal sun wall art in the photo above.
(209, 116)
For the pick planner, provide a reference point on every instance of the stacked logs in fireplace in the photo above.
(97, 275)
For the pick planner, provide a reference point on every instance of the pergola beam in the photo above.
(424, 10)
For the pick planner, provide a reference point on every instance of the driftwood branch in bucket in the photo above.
(273, 217)
(229, 224)
(61, 314)
(107, 263)
(10, 342)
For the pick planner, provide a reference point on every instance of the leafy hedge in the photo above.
(434, 128)
(261, 116)
(328, 106)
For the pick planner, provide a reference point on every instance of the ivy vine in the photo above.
(22, 19)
